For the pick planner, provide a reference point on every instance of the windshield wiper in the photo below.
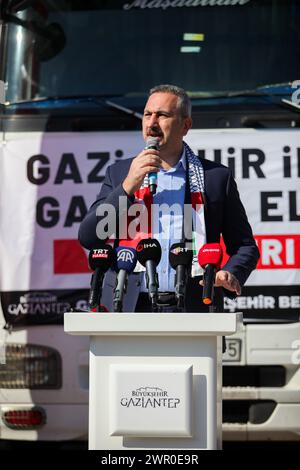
(124, 109)
(271, 90)
(81, 99)
(268, 91)
(291, 104)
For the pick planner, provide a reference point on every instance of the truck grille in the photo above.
(254, 376)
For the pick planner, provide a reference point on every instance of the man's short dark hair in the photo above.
(184, 102)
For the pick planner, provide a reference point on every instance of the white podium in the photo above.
(155, 378)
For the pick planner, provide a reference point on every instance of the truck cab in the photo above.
(74, 81)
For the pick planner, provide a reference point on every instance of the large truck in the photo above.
(74, 77)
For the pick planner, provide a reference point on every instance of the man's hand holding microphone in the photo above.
(148, 161)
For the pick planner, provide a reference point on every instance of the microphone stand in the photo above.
(217, 305)
(96, 290)
(152, 284)
(180, 287)
(120, 290)
(154, 305)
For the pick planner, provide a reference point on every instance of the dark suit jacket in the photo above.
(224, 215)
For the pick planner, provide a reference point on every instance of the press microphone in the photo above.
(180, 259)
(100, 260)
(149, 255)
(209, 258)
(126, 259)
(152, 143)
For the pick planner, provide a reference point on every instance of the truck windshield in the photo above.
(58, 48)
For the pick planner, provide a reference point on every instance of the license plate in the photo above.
(233, 350)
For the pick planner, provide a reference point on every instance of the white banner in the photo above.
(47, 181)
(266, 166)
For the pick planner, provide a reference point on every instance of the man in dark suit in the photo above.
(167, 117)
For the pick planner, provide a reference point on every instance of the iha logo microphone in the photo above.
(149, 255)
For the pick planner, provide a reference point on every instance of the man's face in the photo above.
(162, 119)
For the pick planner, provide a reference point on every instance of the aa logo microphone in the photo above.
(126, 259)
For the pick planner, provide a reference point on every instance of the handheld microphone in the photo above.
(152, 143)
(126, 259)
(180, 259)
(149, 255)
(209, 258)
(100, 260)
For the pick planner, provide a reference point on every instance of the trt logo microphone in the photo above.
(180, 258)
(100, 260)
(178, 250)
(97, 253)
(209, 258)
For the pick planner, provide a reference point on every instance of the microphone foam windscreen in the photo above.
(126, 258)
(179, 254)
(148, 249)
(101, 258)
(152, 143)
(210, 253)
